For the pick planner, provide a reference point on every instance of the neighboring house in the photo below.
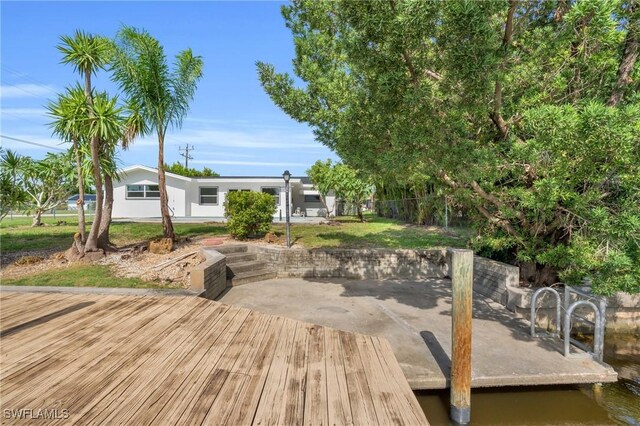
(89, 202)
(136, 194)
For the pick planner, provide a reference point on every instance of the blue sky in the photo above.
(233, 125)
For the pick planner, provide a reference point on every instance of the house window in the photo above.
(241, 190)
(273, 190)
(208, 195)
(311, 198)
(143, 191)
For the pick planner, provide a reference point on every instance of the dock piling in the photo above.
(461, 319)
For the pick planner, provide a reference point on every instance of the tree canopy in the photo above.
(526, 112)
(162, 95)
(178, 169)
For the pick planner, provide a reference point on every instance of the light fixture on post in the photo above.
(287, 176)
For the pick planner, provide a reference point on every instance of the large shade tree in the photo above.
(528, 112)
(140, 68)
(45, 183)
(88, 53)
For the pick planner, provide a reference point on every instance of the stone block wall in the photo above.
(355, 263)
(494, 280)
(211, 275)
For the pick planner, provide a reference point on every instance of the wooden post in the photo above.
(461, 316)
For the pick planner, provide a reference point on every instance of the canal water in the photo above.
(601, 404)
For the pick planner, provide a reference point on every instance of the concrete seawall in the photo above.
(495, 280)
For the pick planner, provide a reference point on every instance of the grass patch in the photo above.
(81, 276)
(377, 232)
(17, 234)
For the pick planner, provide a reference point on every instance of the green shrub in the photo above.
(248, 213)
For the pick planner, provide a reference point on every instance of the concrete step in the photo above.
(239, 257)
(252, 265)
(231, 248)
(251, 277)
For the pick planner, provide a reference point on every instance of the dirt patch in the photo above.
(133, 261)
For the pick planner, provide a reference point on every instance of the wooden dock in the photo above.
(181, 360)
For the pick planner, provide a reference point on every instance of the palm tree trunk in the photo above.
(105, 223)
(167, 225)
(92, 239)
(80, 203)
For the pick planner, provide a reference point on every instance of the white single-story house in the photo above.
(89, 202)
(136, 194)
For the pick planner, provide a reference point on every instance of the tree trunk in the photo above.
(37, 219)
(167, 225)
(359, 212)
(92, 239)
(80, 203)
(629, 58)
(327, 213)
(103, 238)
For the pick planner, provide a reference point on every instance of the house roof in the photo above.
(303, 179)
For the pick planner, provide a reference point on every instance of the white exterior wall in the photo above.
(224, 185)
(134, 207)
(184, 194)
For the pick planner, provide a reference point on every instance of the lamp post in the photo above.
(286, 176)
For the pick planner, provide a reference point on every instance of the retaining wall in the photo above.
(491, 279)
(375, 264)
(211, 275)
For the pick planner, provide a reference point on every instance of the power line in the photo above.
(32, 143)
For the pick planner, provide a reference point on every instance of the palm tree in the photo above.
(70, 114)
(88, 53)
(139, 66)
(132, 126)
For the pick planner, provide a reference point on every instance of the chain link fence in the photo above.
(431, 211)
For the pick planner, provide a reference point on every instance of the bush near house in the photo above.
(248, 213)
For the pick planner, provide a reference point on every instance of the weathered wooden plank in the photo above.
(315, 404)
(32, 309)
(231, 391)
(186, 396)
(223, 371)
(130, 360)
(168, 359)
(95, 387)
(249, 396)
(338, 402)
(15, 346)
(272, 400)
(114, 323)
(362, 405)
(296, 378)
(412, 412)
(93, 371)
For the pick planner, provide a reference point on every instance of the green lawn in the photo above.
(81, 276)
(377, 232)
(17, 234)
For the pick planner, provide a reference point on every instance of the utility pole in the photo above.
(186, 155)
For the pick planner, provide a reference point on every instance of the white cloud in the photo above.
(249, 163)
(26, 91)
(259, 139)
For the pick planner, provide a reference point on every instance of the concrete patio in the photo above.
(415, 317)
